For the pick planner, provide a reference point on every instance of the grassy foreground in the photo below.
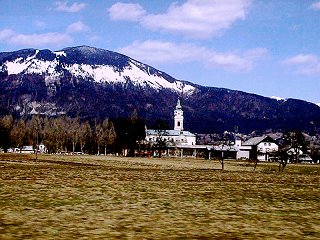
(90, 197)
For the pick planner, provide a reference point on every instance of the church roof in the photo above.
(169, 133)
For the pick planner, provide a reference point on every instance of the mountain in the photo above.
(96, 83)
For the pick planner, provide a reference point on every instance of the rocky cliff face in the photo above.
(92, 83)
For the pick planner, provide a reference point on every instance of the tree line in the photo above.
(65, 134)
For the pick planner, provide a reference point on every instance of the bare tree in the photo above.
(18, 134)
(162, 136)
(225, 146)
(61, 130)
(282, 158)
(73, 126)
(35, 128)
(108, 134)
(99, 136)
(105, 135)
(50, 135)
(161, 141)
(84, 134)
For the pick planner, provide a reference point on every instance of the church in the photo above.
(177, 136)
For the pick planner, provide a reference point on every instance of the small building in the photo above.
(261, 147)
(203, 151)
(27, 149)
(299, 155)
(305, 158)
(42, 148)
(243, 152)
(13, 150)
(223, 152)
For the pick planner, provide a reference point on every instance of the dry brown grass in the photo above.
(94, 197)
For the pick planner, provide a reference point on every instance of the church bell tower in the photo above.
(178, 117)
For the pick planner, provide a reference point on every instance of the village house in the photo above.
(257, 148)
(299, 154)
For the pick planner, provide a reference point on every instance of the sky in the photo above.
(266, 47)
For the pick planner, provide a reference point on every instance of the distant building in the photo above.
(299, 155)
(243, 152)
(177, 136)
(259, 148)
(27, 149)
(42, 148)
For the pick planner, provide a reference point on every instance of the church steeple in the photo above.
(178, 104)
(178, 117)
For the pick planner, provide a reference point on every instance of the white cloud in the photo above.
(316, 5)
(160, 51)
(126, 11)
(195, 18)
(6, 34)
(307, 64)
(63, 6)
(34, 40)
(77, 27)
(163, 52)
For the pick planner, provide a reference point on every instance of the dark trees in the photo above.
(162, 139)
(130, 133)
(18, 134)
(6, 124)
(296, 142)
(282, 158)
(85, 134)
(226, 145)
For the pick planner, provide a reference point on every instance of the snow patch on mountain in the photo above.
(42, 108)
(318, 104)
(278, 98)
(134, 72)
(138, 77)
(60, 53)
(17, 66)
(33, 56)
(31, 65)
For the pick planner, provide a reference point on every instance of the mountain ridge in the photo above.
(93, 82)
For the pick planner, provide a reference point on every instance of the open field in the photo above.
(91, 197)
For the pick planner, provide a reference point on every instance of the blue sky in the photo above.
(267, 47)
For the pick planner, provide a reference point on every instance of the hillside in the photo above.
(96, 83)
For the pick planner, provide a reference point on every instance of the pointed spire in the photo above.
(178, 104)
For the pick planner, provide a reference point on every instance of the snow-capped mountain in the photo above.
(90, 63)
(96, 83)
